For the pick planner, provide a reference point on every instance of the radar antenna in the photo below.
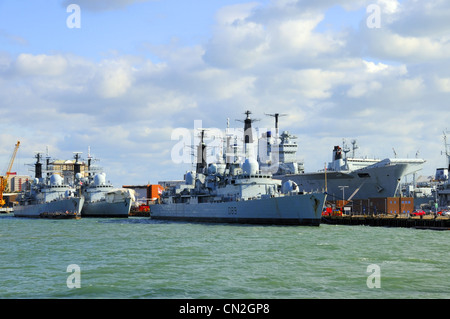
(276, 116)
(354, 148)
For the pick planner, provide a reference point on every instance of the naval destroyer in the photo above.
(237, 192)
(48, 197)
(349, 177)
(102, 199)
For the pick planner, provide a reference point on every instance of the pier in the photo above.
(390, 220)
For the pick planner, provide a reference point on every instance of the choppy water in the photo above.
(141, 258)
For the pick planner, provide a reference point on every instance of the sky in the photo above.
(121, 76)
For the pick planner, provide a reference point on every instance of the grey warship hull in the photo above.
(69, 207)
(105, 209)
(377, 182)
(302, 209)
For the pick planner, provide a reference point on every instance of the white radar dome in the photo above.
(100, 179)
(56, 180)
(250, 166)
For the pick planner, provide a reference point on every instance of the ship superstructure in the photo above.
(361, 178)
(237, 192)
(48, 196)
(102, 199)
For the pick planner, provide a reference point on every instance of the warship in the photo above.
(359, 178)
(48, 197)
(236, 191)
(102, 199)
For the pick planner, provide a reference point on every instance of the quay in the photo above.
(6, 210)
(391, 220)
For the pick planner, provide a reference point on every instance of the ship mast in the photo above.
(201, 154)
(248, 135)
(276, 116)
(76, 165)
(38, 166)
(447, 152)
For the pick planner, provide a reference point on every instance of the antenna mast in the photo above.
(276, 116)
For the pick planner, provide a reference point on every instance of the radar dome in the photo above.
(56, 180)
(99, 179)
(250, 166)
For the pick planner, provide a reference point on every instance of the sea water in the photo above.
(141, 258)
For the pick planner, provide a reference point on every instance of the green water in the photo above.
(141, 258)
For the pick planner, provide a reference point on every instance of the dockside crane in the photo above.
(4, 179)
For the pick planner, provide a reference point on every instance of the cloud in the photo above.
(113, 78)
(42, 65)
(421, 19)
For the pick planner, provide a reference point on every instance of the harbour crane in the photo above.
(4, 179)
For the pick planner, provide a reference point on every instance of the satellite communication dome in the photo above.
(100, 179)
(250, 166)
(56, 180)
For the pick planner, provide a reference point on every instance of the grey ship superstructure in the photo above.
(102, 199)
(361, 178)
(49, 197)
(231, 192)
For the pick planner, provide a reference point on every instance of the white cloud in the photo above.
(113, 78)
(411, 48)
(41, 65)
(443, 84)
(375, 67)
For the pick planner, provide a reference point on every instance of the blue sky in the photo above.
(124, 29)
(40, 26)
(136, 70)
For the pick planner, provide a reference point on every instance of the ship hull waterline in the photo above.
(106, 209)
(72, 206)
(303, 210)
